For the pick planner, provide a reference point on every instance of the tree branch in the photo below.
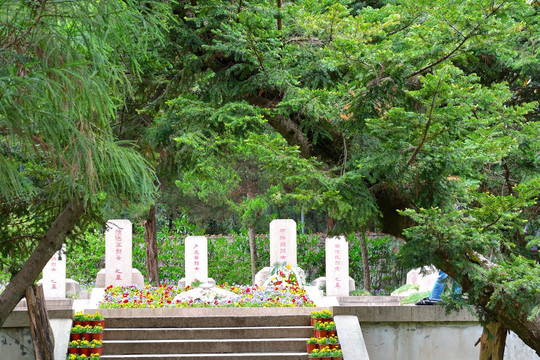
(465, 38)
(428, 124)
(50, 243)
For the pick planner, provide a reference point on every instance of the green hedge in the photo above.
(229, 257)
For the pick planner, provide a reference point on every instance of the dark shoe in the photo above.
(427, 301)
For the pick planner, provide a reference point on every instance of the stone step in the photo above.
(208, 333)
(369, 300)
(206, 321)
(204, 346)
(232, 356)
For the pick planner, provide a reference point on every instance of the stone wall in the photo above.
(425, 332)
(15, 338)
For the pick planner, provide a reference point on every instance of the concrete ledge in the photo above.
(188, 312)
(407, 313)
(56, 309)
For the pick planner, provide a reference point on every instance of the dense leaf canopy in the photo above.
(361, 111)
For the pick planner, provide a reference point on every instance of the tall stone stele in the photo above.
(196, 262)
(118, 253)
(337, 266)
(282, 247)
(119, 269)
(283, 242)
(196, 255)
(54, 276)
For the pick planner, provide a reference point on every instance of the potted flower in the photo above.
(311, 344)
(94, 356)
(315, 316)
(331, 328)
(314, 354)
(337, 354)
(96, 347)
(87, 332)
(98, 319)
(333, 342)
(84, 347)
(320, 329)
(73, 347)
(76, 332)
(87, 320)
(322, 342)
(325, 353)
(78, 318)
(72, 357)
(97, 333)
(326, 316)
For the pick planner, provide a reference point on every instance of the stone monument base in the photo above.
(72, 288)
(182, 282)
(262, 275)
(136, 278)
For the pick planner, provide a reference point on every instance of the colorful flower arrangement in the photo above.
(286, 275)
(163, 297)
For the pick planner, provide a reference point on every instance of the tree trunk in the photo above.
(365, 261)
(50, 243)
(40, 328)
(253, 252)
(150, 239)
(493, 341)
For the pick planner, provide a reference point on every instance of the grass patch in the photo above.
(411, 299)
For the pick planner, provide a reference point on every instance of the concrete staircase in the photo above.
(207, 337)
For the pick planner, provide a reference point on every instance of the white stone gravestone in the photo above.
(422, 278)
(54, 276)
(337, 266)
(283, 242)
(118, 257)
(196, 259)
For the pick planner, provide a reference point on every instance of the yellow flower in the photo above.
(289, 266)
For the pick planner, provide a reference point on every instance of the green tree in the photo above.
(65, 67)
(385, 106)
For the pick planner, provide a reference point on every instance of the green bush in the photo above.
(386, 271)
(85, 257)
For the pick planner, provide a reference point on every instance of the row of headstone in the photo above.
(119, 271)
